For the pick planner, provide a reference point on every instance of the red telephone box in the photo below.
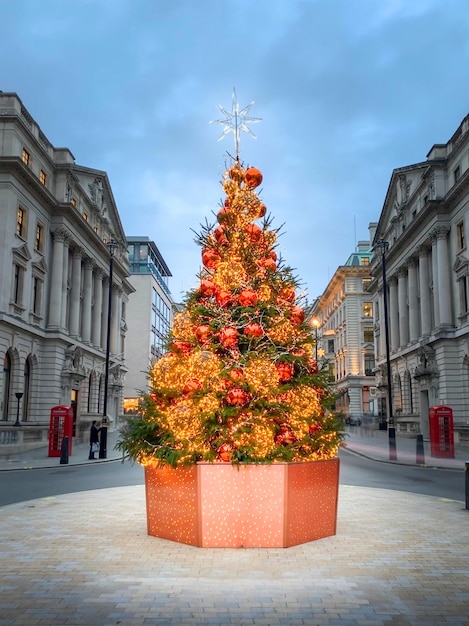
(61, 425)
(441, 431)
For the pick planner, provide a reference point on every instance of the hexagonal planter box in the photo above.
(219, 505)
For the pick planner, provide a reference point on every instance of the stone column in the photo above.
(402, 303)
(424, 288)
(105, 311)
(393, 313)
(87, 298)
(97, 307)
(55, 298)
(115, 319)
(63, 315)
(382, 330)
(435, 285)
(444, 277)
(74, 326)
(413, 300)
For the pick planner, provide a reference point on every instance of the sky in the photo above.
(347, 90)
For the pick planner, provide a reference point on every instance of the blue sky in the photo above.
(347, 90)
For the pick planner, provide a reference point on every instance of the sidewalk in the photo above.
(371, 443)
(39, 456)
(374, 444)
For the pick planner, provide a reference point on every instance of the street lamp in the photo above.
(18, 395)
(112, 245)
(383, 247)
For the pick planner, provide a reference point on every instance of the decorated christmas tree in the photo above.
(239, 383)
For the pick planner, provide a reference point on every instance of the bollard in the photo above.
(64, 451)
(466, 468)
(420, 456)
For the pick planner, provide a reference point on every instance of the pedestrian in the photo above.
(94, 440)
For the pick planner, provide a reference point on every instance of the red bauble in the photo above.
(228, 337)
(268, 264)
(273, 255)
(210, 258)
(287, 294)
(254, 233)
(297, 315)
(208, 288)
(202, 333)
(313, 366)
(247, 297)
(237, 397)
(314, 429)
(236, 173)
(183, 347)
(262, 210)
(236, 374)
(286, 436)
(252, 177)
(224, 452)
(223, 297)
(285, 371)
(253, 330)
(192, 384)
(220, 235)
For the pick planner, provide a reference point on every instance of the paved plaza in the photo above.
(85, 559)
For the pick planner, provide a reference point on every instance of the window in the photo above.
(463, 294)
(330, 346)
(364, 260)
(39, 242)
(368, 334)
(460, 235)
(26, 157)
(21, 223)
(457, 174)
(366, 282)
(37, 296)
(17, 295)
(367, 309)
(43, 177)
(73, 202)
(369, 364)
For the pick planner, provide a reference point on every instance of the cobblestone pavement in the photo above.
(85, 559)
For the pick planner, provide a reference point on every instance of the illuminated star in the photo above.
(236, 121)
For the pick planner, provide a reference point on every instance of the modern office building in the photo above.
(58, 219)
(150, 314)
(343, 316)
(422, 236)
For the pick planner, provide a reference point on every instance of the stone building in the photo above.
(150, 314)
(422, 237)
(345, 325)
(58, 219)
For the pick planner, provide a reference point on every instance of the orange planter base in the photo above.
(218, 505)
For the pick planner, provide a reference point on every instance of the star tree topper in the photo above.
(236, 121)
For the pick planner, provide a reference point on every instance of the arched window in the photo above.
(27, 389)
(6, 386)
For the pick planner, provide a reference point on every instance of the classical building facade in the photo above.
(345, 328)
(150, 315)
(57, 221)
(422, 237)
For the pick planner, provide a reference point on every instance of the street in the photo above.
(22, 485)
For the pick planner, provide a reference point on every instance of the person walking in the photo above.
(94, 440)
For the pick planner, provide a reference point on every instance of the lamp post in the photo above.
(112, 245)
(383, 247)
(18, 395)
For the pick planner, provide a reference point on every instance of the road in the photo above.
(23, 485)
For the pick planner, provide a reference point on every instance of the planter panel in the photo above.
(218, 505)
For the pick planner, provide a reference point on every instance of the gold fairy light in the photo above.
(261, 375)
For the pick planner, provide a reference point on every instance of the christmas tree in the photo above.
(239, 383)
